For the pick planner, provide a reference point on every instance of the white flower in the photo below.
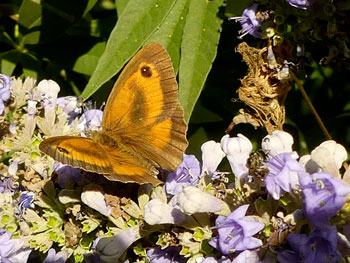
(31, 107)
(212, 155)
(48, 90)
(310, 165)
(330, 149)
(111, 248)
(329, 156)
(278, 142)
(12, 170)
(237, 150)
(157, 212)
(192, 200)
(93, 196)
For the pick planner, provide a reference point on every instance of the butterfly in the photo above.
(143, 126)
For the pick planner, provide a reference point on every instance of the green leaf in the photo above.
(200, 111)
(30, 16)
(87, 62)
(89, 6)
(47, 21)
(134, 27)
(9, 60)
(198, 50)
(235, 8)
(31, 65)
(5, 38)
(29, 13)
(169, 34)
(120, 5)
(195, 141)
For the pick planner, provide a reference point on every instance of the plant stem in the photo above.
(314, 112)
(311, 107)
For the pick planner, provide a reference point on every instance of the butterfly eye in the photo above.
(62, 150)
(146, 71)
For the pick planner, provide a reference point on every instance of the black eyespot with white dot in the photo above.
(62, 150)
(146, 71)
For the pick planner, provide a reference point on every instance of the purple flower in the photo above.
(67, 175)
(186, 174)
(247, 256)
(213, 260)
(235, 232)
(93, 257)
(320, 247)
(25, 201)
(52, 257)
(5, 94)
(323, 196)
(90, 120)
(6, 185)
(249, 21)
(12, 250)
(303, 4)
(283, 174)
(168, 255)
(70, 106)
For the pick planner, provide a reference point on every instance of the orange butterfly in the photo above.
(143, 125)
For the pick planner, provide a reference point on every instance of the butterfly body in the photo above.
(142, 128)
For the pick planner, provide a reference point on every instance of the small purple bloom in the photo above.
(90, 120)
(187, 174)
(70, 106)
(93, 257)
(320, 247)
(12, 250)
(235, 232)
(26, 201)
(67, 175)
(168, 255)
(6, 185)
(303, 4)
(283, 174)
(213, 260)
(323, 196)
(52, 257)
(5, 94)
(247, 256)
(250, 22)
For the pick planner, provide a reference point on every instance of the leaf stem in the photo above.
(311, 107)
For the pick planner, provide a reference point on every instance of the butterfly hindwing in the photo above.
(91, 156)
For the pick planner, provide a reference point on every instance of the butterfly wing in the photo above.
(85, 153)
(143, 109)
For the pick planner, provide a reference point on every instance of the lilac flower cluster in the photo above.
(197, 216)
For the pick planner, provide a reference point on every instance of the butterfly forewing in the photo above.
(144, 110)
